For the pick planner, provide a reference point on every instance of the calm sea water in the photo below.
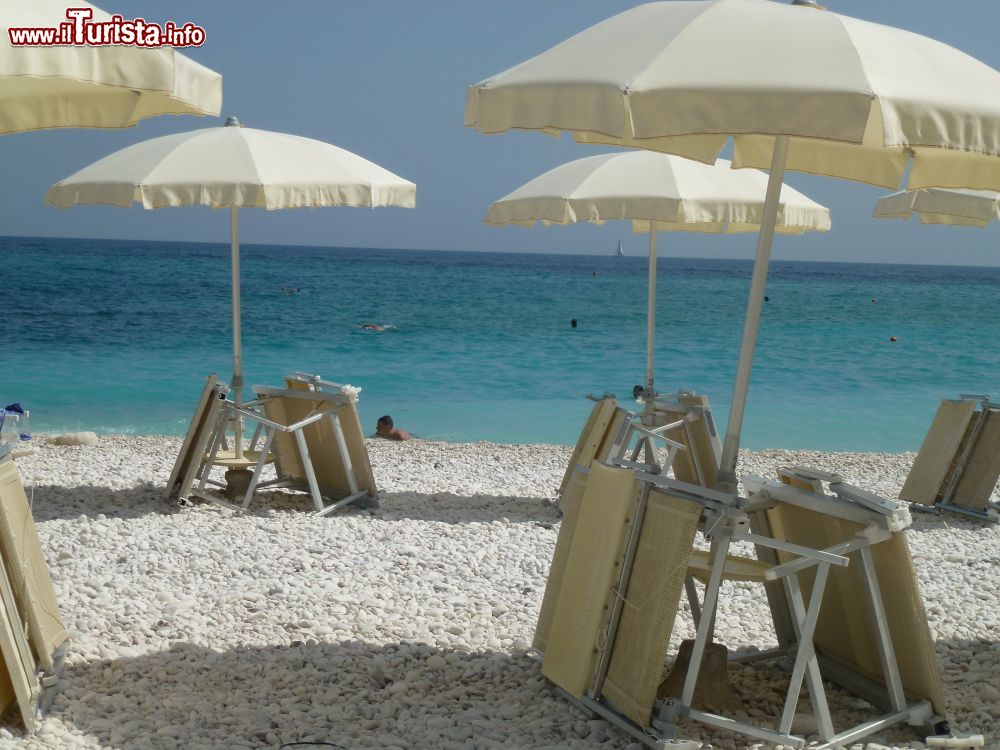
(119, 336)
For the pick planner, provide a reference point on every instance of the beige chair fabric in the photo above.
(736, 568)
(845, 631)
(652, 597)
(192, 452)
(698, 438)
(937, 453)
(18, 680)
(572, 500)
(27, 570)
(595, 444)
(596, 548)
(591, 437)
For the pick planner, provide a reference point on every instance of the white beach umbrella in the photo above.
(794, 87)
(971, 208)
(70, 86)
(657, 192)
(234, 167)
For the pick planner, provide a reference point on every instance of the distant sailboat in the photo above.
(619, 254)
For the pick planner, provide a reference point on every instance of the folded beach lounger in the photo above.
(207, 419)
(958, 465)
(32, 635)
(847, 586)
(313, 430)
(682, 421)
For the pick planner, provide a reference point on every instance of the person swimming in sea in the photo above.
(372, 327)
(384, 428)
(290, 289)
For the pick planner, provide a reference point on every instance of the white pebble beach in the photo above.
(405, 627)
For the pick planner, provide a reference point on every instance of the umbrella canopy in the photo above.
(233, 167)
(94, 87)
(644, 186)
(971, 208)
(657, 192)
(794, 87)
(856, 99)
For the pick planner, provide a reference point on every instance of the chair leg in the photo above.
(890, 668)
(717, 557)
(220, 434)
(256, 436)
(806, 663)
(259, 468)
(338, 433)
(692, 596)
(308, 467)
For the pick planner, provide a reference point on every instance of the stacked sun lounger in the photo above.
(309, 430)
(840, 583)
(958, 465)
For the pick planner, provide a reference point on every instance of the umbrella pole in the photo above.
(649, 394)
(237, 384)
(731, 447)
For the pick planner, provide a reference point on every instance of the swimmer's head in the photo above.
(383, 427)
(637, 391)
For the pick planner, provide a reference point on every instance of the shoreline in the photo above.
(404, 627)
(46, 436)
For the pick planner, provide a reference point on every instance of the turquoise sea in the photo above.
(118, 337)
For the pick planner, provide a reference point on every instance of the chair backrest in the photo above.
(699, 464)
(593, 437)
(574, 612)
(350, 424)
(652, 599)
(18, 679)
(978, 476)
(334, 463)
(578, 600)
(924, 483)
(203, 424)
(595, 444)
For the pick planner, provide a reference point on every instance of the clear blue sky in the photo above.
(387, 79)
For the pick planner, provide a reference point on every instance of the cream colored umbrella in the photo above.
(234, 167)
(970, 208)
(795, 88)
(89, 86)
(657, 192)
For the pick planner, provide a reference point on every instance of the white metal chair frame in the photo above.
(639, 434)
(725, 519)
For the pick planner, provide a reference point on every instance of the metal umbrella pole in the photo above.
(237, 383)
(649, 394)
(731, 446)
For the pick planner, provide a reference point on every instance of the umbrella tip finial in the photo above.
(809, 4)
(233, 122)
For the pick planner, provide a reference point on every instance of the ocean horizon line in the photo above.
(663, 258)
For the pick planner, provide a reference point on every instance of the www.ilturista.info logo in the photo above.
(81, 30)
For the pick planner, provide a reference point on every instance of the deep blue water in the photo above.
(118, 337)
